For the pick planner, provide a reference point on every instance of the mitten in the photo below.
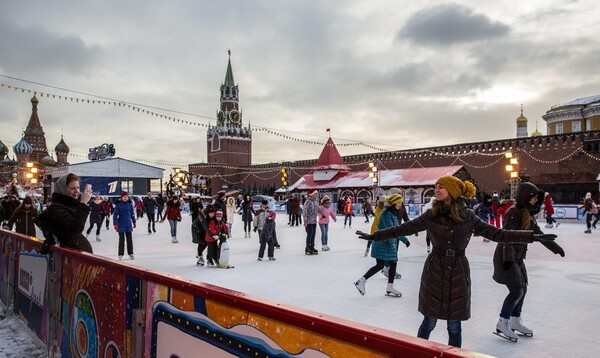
(116, 227)
(364, 235)
(134, 225)
(407, 243)
(544, 237)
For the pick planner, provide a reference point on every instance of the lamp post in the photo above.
(375, 176)
(513, 169)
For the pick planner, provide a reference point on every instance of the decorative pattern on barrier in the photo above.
(99, 301)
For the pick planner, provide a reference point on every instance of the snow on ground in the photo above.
(561, 303)
(16, 340)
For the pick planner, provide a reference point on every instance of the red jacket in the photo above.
(172, 212)
(548, 208)
(215, 228)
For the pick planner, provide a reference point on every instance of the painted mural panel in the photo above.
(179, 324)
(96, 310)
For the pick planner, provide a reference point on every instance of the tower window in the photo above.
(576, 126)
(559, 128)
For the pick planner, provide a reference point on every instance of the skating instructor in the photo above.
(509, 265)
(445, 291)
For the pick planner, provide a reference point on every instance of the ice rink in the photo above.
(561, 304)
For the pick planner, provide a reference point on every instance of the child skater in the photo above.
(216, 229)
(268, 236)
(199, 229)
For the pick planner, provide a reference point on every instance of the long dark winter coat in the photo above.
(96, 210)
(64, 220)
(445, 291)
(513, 254)
(247, 210)
(23, 220)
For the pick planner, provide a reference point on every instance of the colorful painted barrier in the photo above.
(82, 305)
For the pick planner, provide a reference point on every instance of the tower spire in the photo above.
(229, 74)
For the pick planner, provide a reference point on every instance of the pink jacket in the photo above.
(325, 213)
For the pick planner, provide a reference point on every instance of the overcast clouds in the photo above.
(396, 74)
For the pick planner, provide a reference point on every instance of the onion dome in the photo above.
(8, 161)
(22, 147)
(3, 149)
(48, 161)
(62, 147)
(521, 118)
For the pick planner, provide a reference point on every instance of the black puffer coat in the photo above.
(445, 291)
(64, 220)
(509, 265)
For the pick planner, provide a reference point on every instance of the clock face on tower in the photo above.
(234, 116)
(220, 117)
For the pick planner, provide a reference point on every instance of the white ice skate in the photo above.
(200, 261)
(516, 324)
(361, 285)
(392, 291)
(325, 248)
(131, 257)
(98, 238)
(174, 240)
(503, 330)
(549, 226)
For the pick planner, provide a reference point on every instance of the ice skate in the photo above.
(98, 238)
(557, 224)
(174, 240)
(361, 285)
(385, 271)
(149, 232)
(272, 259)
(200, 261)
(120, 257)
(210, 263)
(549, 226)
(131, 257)
(153, 230)
(260, 259)
(314, 251)
(277, 246)
(325, 248)
(588, 231)
(392, 291)
(516, 324)
(503, 330)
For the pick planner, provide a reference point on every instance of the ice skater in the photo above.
(217, 231)
(450, 224)
(199, 229)
(268, 237)
(385, 251)
(549, 211)
(324, 212)
(509, 260)
(591, 211)
(124, 223)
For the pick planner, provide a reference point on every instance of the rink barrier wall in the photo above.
(84, 305)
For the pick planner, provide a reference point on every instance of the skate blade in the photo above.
(523, 334)
(499, 334)
(361, 292)
(389, 294)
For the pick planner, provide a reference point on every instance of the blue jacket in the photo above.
(124, 216)
(387, 250)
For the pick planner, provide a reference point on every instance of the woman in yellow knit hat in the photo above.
(445, 290)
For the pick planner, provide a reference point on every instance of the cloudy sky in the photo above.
(393, 74)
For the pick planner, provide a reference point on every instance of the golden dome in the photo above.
(536, 133)
(521, 118)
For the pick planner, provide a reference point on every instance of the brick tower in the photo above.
(34, 134)
(229, 142)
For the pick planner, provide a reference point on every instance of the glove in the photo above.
(506, 265)
(407, 243)
(544, 237)
(416, 234)
(561, 253)
(222, 238)
(134, 225)
(364, 235)
(255, 228)
(116, 227)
